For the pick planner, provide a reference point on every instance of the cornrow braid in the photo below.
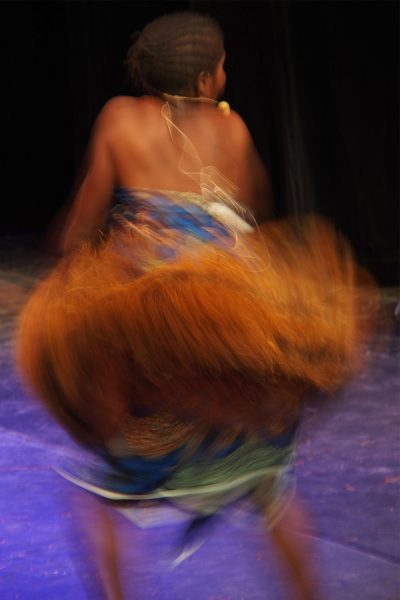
(171, 51)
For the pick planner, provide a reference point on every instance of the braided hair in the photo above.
(171, 51)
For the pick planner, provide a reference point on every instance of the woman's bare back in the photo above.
(148, 143)
(149, 153)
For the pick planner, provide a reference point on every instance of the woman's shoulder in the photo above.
(229, 127)
(123, 108)
(238, 127)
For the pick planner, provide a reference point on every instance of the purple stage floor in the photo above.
(348, 471)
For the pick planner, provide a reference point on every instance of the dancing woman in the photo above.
(174, 340)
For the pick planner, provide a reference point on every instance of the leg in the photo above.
(95, 545)
(296, 552)
(106, 551)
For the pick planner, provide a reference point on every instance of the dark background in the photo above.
(316, 83)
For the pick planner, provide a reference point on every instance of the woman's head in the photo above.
(180, 53)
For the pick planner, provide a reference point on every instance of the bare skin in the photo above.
(296, 552)
(106, 550)
(131, 146)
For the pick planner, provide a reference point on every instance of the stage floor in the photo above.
(348, 471)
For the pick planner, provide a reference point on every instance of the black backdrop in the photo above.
(316, 82)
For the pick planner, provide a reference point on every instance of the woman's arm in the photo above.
(253, 180)
(91, 203)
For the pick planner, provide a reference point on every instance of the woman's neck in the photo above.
(187, 102)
